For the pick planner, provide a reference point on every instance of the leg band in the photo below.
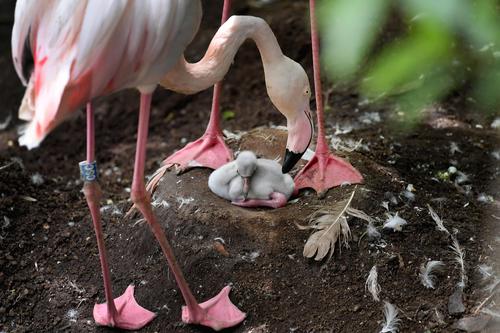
(88, 171)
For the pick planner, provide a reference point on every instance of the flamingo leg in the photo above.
(277, 200)
(218, 312)
(324, 170)
(210, 150)
(122, 312)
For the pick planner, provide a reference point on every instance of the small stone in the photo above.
(219, 247)
(473, 324)
(259, 329)
(455, 303)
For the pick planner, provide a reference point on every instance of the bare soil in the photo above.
(49, 269)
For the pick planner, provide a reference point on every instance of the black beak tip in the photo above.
(290, 160)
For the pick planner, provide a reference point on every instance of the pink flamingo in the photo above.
(324, 170)
(286, 82)
(83, 49)
(321, 173)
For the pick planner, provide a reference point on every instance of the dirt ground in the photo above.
(49, 268)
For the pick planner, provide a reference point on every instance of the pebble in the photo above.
(219, 247)
(473, 324)
(455, 303)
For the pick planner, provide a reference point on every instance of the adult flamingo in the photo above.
(83, 49)
(286, 82)
(324, 170)
(321, 173)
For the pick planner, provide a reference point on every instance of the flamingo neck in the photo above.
(191, 78)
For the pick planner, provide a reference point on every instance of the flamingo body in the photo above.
(83, 49)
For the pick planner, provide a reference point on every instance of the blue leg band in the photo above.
(88, 171)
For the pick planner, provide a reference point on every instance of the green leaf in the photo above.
(446, 13)
(486, 88)
(432, 89)
(349, 28)
(406, 62)
(482, 24)
(228, 115)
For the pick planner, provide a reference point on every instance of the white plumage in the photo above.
(266, 178)
(83, 49)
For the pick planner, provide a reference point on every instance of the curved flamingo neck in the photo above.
(192, 78)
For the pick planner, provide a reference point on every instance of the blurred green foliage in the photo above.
(228, 115)
(439, 45)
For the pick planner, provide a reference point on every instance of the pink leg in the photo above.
(277, 200)
(122, 312)
(217, 313)
(324, 170)
(209, 151)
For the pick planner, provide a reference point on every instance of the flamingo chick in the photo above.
(252, 182)
(83, 49)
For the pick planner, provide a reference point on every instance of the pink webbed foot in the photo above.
(217, 313)
(325, 171)
(277, 200)
(209, 151)
(129, 315)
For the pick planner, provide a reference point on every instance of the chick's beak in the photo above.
(246, 186)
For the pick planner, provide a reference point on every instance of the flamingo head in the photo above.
(246, 163)
(289, 90)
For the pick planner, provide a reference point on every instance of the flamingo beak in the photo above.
(300, 134)
(290, 160)
(246, 186)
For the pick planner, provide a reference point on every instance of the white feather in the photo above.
(26, 14)
(492, 313)
(391, 320)
(394, 222)
(372, 232)
(427, 273)
(372, 285)
(485, 271)
(460, 259)
(439, 222)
